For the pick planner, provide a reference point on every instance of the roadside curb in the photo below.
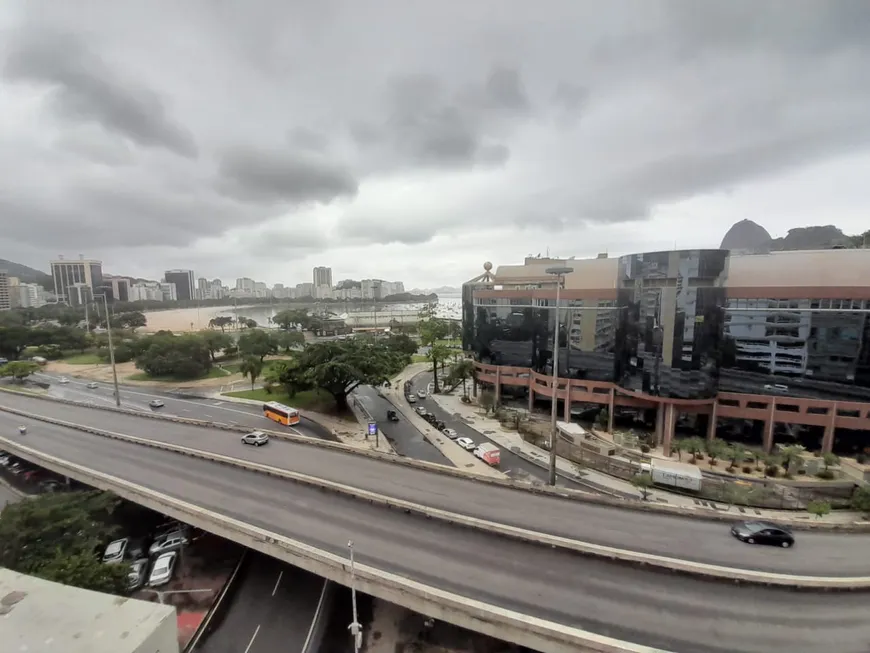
(563, 493)
(646, 560)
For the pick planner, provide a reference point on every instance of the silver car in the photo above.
(255, 438)
(164, 567)
(137, 574)
(168, 542)
(115, 551)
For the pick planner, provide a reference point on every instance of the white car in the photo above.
(450, 433)
(466, 443)
(421, 394)
(63, 379)
(115, 551)
(255, 438)
(412, 399)
(164, 567)
(156, 403)
(93, 386)
(421, 410)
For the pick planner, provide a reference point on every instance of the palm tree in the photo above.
(677, 447)
(252, 367)
(438, 353)
(792, 457)
(463, 370)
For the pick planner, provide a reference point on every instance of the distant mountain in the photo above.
(443, 290)
(748, 237)
(26, 274)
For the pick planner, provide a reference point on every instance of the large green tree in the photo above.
(180, 357)
(57, 536)
(438, 354)
(288, 340)
(461, 372)
(19, 370)
(13, 341)
(339, 366)
(258, 343)
(216, 341)
(290, 318)
(251, 367)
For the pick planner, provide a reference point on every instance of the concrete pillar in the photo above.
(660, 424)
(830, 430)
(769, 423)
(670, 424)
(711, 427)
(531, 392)
(611, 407)
(567, 416)
(497, 385)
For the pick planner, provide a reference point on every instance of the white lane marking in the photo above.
(316, 616)
(207, 415)
(253, 637)
(278, 582)
(198, 404)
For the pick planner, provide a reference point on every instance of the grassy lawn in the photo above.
(317, 400)
(418, 358)
(83, 359)
(213, 373)
(233, 366)
(453, 344)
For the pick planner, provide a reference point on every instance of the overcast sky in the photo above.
(416, 140)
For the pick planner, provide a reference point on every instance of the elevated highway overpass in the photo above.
(667, 612)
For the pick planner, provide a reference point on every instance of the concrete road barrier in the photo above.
(535, 633)
(518, 485)
(676, 565)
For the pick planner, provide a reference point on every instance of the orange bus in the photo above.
(281, 413)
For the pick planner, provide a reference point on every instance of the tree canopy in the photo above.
(290, 318)
(179, 357)
(257, 343)
(18, 370)
(57, 536)
(215, 341)
(339, 366)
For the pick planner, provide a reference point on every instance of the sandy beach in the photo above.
(182, 319)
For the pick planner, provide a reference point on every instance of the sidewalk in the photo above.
(512, 440)
(461, 458)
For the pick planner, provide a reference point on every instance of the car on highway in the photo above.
(412, 399)
(92, 386)
(255, 438)
(164, 567)
(156, 403)
(421, 394)
(63, 379)
(421, 411)
(138, 574)
(763, 532)
(450, 433)
(171, 541)
(392, 416)
(466, 443)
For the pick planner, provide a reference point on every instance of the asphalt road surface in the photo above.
(176, 403)
(824, 554)
(515, 466)
(403, 435)
(674, 613)
(273, 609)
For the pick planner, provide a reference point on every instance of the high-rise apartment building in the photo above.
(5, 298)
(170, 291)
(69, 272)
(304, 290)
(118, 287)
(184, 283)
(322, 277)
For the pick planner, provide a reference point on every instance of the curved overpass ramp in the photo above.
(671, 613)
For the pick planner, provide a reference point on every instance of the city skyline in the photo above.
(466, 149)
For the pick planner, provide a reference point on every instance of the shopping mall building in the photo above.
(780, 338)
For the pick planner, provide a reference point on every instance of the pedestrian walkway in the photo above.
(472, 415)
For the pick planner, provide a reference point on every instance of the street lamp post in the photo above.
(559, 272)
(355, 628)
(112, 351)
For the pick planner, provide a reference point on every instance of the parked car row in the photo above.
(40, 479)
(429, 417)
(152, 560)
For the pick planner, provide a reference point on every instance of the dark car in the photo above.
(392, 416)
(763, 532)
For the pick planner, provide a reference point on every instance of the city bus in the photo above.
(281, 413)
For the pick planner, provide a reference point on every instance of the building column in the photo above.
(610, 410)
(711, 427)
(830, 430)
(531, 391)
(660, 424)
(769, 423)
(567, 416)
(497, 385)
(670, 424)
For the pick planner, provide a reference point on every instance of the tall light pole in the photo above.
(559, 272)
(111, 351)
(355, 628)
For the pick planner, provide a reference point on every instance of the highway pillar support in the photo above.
(711, 427)
(830, 431)
(670, 424)
(611, 408)
(769, 424)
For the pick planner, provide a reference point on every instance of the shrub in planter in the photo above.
(466, 400)
(861, 459)
(827, 474)
(771, 470)
(747, 469)
(644, 448)
(801, 471)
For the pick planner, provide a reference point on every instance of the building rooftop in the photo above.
(38, 616)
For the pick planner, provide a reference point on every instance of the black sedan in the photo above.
(763, 532)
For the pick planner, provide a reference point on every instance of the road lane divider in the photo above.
(518, 485)
(538, 634)
(609, 553)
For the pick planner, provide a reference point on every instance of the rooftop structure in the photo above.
(37, 616)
